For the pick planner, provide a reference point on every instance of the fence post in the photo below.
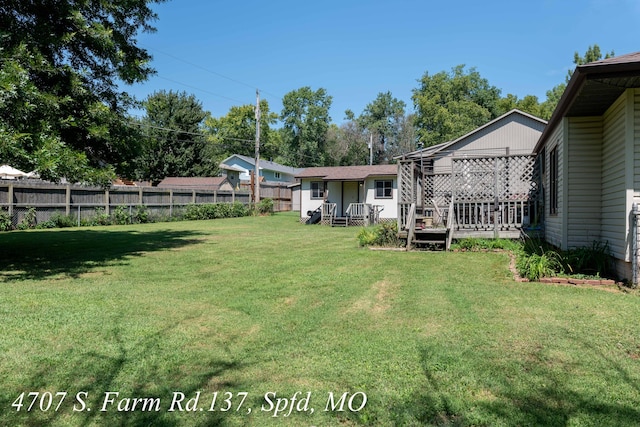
(67, 200)
(233, 196)
(193, 199)
(215, 196)
(170, 203)
(106, 202)
(10, 200)
(141, 196)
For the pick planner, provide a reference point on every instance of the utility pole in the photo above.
(256, 196)
(370, 149)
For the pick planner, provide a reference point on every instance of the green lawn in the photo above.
(260, 308)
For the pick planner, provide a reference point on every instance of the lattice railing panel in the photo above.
(490, 178)
(406, 182)
(437, 188)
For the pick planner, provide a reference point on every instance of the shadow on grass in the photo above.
(545, 400)
(38, 255)
(133, 371)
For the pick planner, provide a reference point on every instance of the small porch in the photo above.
(356, 214)
(488, 197)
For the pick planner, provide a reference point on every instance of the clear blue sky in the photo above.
(221, 51)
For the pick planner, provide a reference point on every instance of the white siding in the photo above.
(584, 150)
(390, 205)
(306, 203)
(553, 223)
(636, 143)
(613, 179)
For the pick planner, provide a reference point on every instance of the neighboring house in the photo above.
(590, 153)
(238, 169)
(197, 183)
(342, 186)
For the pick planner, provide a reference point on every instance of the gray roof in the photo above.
(266, 164)
(348, 173)
(593, 88)
(431, 150)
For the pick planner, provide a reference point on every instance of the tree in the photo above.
(60, 62)
(528, 104)
(305, 118)
(174, 144)
(235, 133)
(347, 145)
(448, 105)
(592, 54)
(383, 118)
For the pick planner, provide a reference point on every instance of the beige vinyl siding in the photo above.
(553, 223)
(613, 228)
(636, 143)
(518, 132)
(584, 149)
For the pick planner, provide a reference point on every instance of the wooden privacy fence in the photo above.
(280, 193)
(82, 202)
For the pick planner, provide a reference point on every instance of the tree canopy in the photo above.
(449, 105)
(174, 144)
(305, 118)
(60, 64)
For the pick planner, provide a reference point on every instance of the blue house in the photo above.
(237, 169)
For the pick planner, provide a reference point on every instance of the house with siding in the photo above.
(367, 194)
(238, 169)
(197, 183)
(590, 157)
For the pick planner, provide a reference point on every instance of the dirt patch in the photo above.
(378, 299)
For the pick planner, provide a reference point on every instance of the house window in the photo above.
(317, 189)
(553, 181)
(384, 189)
(276, 175)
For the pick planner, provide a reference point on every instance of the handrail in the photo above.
(411, 225)
(449, 226)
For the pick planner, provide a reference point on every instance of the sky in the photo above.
(222, 51)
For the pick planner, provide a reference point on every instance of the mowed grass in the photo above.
(268, 307)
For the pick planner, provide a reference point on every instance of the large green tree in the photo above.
(174, 144)
(383, 118)
(448, 105)
(61, 62)
(305, 118)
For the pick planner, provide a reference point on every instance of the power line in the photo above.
(191, 133)
(215, 73)
(201, 90)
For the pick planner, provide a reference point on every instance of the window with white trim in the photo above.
(276, 175)
(317, 189)
(384, 189)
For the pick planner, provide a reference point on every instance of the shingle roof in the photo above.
(348, 173)
(593, 88)
(267, 164)
(209, 183)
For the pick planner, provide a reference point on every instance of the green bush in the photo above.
(265, 206)
(29, 220)
(380, 235)
(121, 216)
(59, 220)
(141, 215)
(5, 221)
(100, 217)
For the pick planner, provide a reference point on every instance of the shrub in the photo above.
(239, 209)
(380, 235)
(5, 221)
(535, 266)
(265, 206)
(121, 216)
(29, 220)
(100, 217)
(141, 215)
(59, 220)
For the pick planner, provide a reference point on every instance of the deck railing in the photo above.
(486, 215)
(328, 212)
(358, 210)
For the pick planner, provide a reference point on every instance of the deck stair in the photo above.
(339, 221)
(427, 234)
